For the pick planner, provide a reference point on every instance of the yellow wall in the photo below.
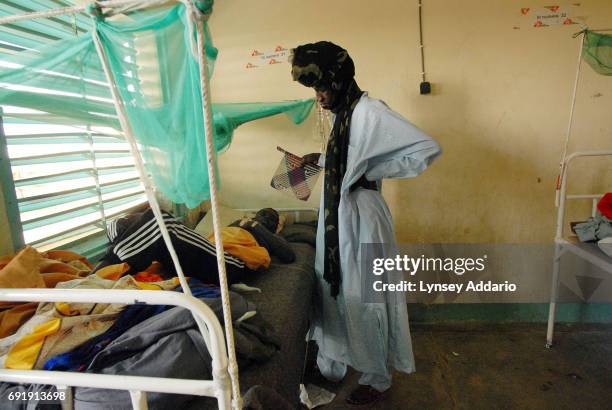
(499, 108)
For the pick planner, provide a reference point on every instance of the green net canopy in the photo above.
(597, 51)
(153, 59)
(228, 116)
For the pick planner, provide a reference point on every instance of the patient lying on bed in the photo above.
(248, 243)
(254, 240)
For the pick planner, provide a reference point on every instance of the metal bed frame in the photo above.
(225, 384)
(207, 322)
(589, 252)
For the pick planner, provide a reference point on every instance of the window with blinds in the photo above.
(69, 177)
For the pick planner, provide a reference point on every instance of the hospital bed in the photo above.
(284, 302)
(564, 244)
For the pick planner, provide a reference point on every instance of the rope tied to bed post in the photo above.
(198, 17)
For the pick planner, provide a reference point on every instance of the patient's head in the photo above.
(268, 217)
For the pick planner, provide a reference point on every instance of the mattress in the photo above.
(284, 302)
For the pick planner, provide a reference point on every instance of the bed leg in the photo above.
(554, 292)
(224, 398)
(67, 403)
(139, 400)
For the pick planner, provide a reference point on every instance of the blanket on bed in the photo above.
(167, 344)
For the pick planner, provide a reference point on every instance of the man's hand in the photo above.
(312, 158)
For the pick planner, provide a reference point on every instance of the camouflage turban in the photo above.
(322, 65)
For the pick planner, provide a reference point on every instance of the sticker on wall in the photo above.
(548, 16)
(276, 55)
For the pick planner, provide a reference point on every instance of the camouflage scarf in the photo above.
(335, 167)
(325, 65)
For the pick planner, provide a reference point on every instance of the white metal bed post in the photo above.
(127, 130)
(570, 122)
(560, 204)
(219, 386)
(139, 400)
(198, 17)
(219, 368)
(559, 251)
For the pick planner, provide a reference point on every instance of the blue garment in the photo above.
(373, 338)
(79, 358)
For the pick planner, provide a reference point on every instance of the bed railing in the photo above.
(208, 324)
(560, 247)
(563, 193)
(299, 214)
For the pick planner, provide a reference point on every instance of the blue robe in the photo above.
(372, 338)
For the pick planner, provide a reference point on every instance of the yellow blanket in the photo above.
(240, 243)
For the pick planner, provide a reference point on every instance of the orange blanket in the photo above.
(31, 269)
(240, 243)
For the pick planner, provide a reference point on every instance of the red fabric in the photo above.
(145, 276)
(151, 274)
(604, 206)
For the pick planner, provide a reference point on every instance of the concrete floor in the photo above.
(476, 366)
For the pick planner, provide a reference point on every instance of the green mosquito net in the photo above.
(597, 51)
(153, 59)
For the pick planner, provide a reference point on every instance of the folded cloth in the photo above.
(594, 229)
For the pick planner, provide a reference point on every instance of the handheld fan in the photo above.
(293, 177)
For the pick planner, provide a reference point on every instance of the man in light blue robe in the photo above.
(373, 338)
